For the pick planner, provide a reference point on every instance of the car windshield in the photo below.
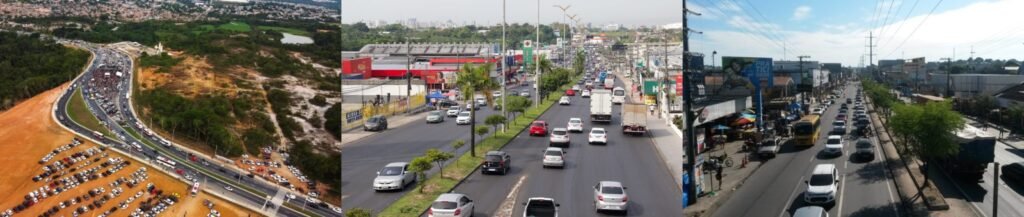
(834, 141)
(611, 190)
(863, 144)
(435, 113)
(553, 153)
(492, 158)
(391, 171)
(444, 205)
(839, 123)
(537, 124)
(803, 128)
(464, 114)
(540, 208)
(821, 179)
(598, 132)
(575, 121)
(558, 133)
(620, 92)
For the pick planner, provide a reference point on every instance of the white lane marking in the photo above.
(811, 158)
(843, 187)
(790, 198)
(508, 206)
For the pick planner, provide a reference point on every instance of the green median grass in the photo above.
(236, 26)
(80, 114)
(414, 202)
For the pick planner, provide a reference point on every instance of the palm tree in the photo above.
(472, 79)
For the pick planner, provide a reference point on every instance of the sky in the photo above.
(827, 31)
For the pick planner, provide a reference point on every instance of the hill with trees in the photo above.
(30, 65)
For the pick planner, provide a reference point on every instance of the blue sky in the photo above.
(826, 30)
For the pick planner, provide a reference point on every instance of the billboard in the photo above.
(527, 52)
(756, 69)
(695, 61)
(679, 85)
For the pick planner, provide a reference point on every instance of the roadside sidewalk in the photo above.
(715, 192)
(993, 129)
(356, 133)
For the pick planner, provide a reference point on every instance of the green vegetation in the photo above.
(30, 65)
(323, 167)
(279, 103)
(205, 118)
(517, 104)
(358, 212)
(81, 115)
(332, 121)
(438, 157)
(292, 31)
(235, 26)
(926, 131)
(420, 165)
(495, 120)
(163, 61)
(358, 34)
(472, 79)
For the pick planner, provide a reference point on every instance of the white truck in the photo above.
(609, 83)
(601, 106)
(634, 119)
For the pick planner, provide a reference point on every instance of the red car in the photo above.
(570, 92)
(539, 128)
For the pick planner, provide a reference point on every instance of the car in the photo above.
(598, 135)
(848, 100)
(540, 207)
(470, 106)
(539, 128)
(525, 94)
(585, 93)
(394, 176)
(435, 117)
(337, 210)
(564, 100)
(841, 116)
(842, 106)
(838, 128)
(376, 123)
(828, 103)
(821, 188)
(496, 162)
(818, 111)
(463, 118)
(1013, 172)
(576, 88)
(453, 111)
(589, 83)
(480, 102)
(610, 195)
(865, 150)
(834, 145)
(229, 188)
(496, 94)
(553, 157)
(769, 147)
(810, 211)
(570, 92)
(559, 137)
(575, 125)
(451, 205)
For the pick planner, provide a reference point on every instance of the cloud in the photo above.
(730, 6)
(705, 11)
(801, 12)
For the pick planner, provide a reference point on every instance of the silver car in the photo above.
(610, 195)
(464, 118)
(453, 111)
(560, 137)
(554, 157)
(435, 117)
(394, 176)
(451, 205)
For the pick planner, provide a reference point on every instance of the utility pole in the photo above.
(995, 191)
(536, 61)
(949, 72)
(809, 82)
(408, 74)
(341, 83)
(690, 145)
(504, 67)
(871, 53)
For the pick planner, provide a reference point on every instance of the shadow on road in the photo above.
(872, 172)
(1019, 153)
(1017, 186)
(875, 211)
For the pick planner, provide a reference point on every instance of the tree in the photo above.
(482, 130)
(333, 120)
(494, 120)
(470, 80)
(517, 104)
(420, 165)
(439, 157)
(358, 212)
(458, 143)
(928, 130)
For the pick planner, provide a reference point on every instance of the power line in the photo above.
(885, 23)
(916, 28)
(720, 10)
(901, 23)
(765, 19)
(874, 16)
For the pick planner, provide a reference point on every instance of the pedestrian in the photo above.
(718, 176)
(651, 108)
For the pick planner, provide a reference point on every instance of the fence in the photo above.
(356, 117)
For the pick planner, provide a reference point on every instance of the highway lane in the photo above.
(776, 189)
(362, 158)
(630, 160)
(147, 152)
(980, 194)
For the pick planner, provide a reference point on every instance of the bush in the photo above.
(333, 120)
(30, 65)
(318, 100)
(357, 212)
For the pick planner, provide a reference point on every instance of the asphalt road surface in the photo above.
(363, 158)
(981, 194)
(627, 159)
(776, 189)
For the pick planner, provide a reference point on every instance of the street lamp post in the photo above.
(536, 62)
(504, 67)
(713, 59)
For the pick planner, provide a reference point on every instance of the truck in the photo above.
(609, 83)
(601, 106)
(977, 150)
(634, 119)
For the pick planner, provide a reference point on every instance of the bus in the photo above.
(806, 130)
(618, 95)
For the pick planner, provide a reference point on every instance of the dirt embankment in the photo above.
(29, 133)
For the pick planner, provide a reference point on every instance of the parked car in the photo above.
(554, 157)
(559, 137)
(435, 117)
(834, 145)
(376, 123)
(821, 188)
(496, 162)
(540, 207)
(394, 176)
(463, 118)
(451, 205)
(564, 100)
(769, 147)
(610, 195)
(539, 128)
(865, 150)
(598, 135)
(575, 125)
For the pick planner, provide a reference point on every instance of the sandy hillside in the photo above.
(28, 133)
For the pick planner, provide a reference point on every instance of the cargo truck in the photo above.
(977, 150)
(634, 119)
(601, 106)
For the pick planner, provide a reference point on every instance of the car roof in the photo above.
(835, 137)
(539, 122)
(575, 119)
(496, 152)
(553, 149)
(808, 211)
(560, 129)
(610, 184)
(597, 128)
(541, 198)
(824, 169)
(449, 197)
(397, 164)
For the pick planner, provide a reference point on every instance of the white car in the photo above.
(451, 205)
(821, 188)
(554, 157)
(229, 188)
(575, 125)
(559, 137)
(496, 94)
(463, 118)
(610, 195)
(597, 135)
(585, 94)
(817, 111)
(564, 100)
(453, 111)
(336, 210)
(540, 206)
(393, 176)
(834, 145)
